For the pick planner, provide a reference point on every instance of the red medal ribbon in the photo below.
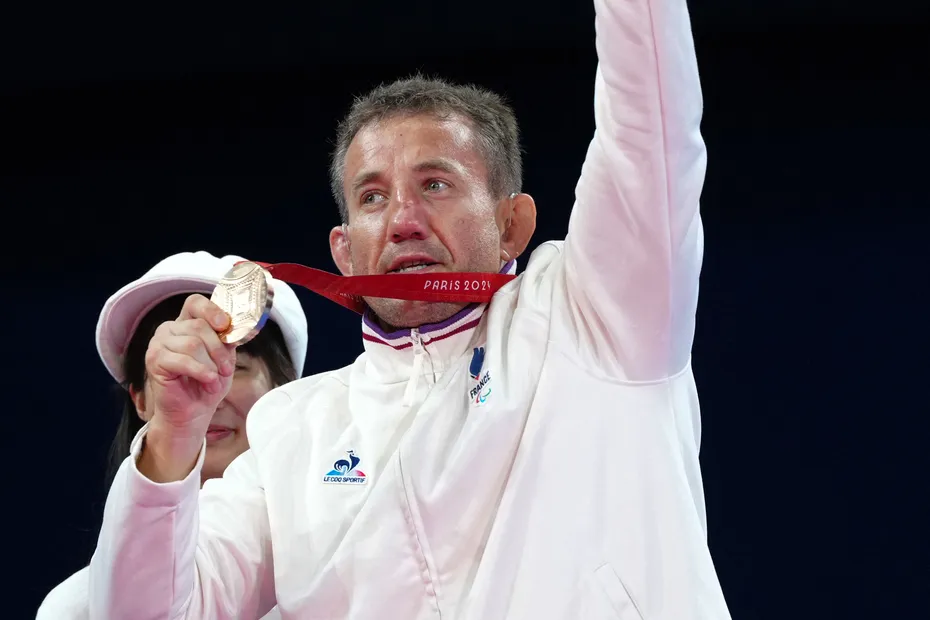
(349, 290)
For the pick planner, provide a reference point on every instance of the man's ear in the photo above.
(138, 399)
(517, 223)
(339, 247)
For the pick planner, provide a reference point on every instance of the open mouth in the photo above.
(407, 267)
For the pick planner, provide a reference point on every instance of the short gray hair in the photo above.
(491, 117)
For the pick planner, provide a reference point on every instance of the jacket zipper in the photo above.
(419, 352)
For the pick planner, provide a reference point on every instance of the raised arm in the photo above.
(634, 246)
(171, 551)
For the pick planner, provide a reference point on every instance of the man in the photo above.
(536, 457)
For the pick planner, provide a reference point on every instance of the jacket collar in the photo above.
(392, 357)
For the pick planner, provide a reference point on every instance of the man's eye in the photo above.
(371, 198)
(436, 186)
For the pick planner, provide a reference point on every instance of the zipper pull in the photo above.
(418, 354)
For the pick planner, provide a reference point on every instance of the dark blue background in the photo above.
(127, 136)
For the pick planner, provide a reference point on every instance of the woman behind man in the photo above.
(127, 323)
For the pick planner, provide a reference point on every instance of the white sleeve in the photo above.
(171, 551)
(274, 614)
(633, 253)
(67, 601)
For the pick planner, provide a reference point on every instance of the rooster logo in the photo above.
(344, 471)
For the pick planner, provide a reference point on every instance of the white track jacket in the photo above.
(533, 459)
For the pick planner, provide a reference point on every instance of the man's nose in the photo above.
(409, 220)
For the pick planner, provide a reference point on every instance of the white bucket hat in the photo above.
(187, 272)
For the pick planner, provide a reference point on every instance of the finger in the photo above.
(196, 337)
(191, 346)
(171, 365)
(199, 307)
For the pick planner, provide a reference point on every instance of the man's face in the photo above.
(417, 195)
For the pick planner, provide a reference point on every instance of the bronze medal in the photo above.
(246, 294)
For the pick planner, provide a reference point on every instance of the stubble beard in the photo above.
(394, 314)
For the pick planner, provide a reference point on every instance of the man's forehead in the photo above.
(420, 143)
(420, 132)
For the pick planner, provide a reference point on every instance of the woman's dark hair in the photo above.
(268, 345)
